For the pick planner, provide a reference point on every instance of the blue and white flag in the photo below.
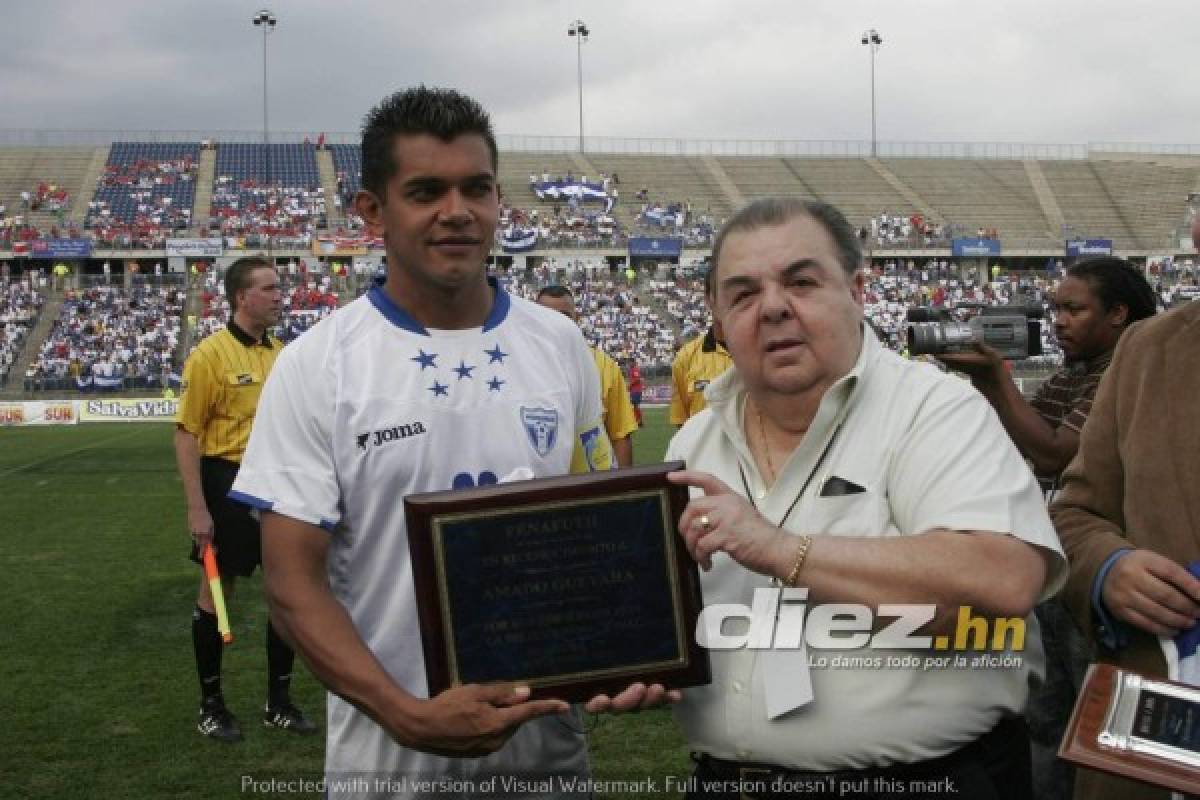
(1183, 652)
(662, 217)
(583, 192)
(519, 240)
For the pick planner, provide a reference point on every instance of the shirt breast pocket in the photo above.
(865, 513)
(242, 390)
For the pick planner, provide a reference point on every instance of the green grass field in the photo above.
(100, 691)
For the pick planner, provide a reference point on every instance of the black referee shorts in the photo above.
(235, 531)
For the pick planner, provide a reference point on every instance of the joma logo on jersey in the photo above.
(395, 433)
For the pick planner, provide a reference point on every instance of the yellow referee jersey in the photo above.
(222, 381)
(619, 419)
(696, 365)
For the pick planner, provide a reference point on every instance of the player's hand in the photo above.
(982, 363)
(1152, 593)
(474, 720)
(200, 527)
(636, 697)
(724, 521)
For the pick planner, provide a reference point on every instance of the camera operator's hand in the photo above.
(984, 364)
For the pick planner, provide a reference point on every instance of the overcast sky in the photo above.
(1047, 71)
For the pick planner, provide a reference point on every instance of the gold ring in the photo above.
(705, 522)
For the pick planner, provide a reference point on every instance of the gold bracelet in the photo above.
(801, 553)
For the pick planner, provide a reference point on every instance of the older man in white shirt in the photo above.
(826, 462)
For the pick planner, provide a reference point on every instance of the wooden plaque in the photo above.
(1137, 727)
(576, 586)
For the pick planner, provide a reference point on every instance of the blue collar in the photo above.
(401, 319)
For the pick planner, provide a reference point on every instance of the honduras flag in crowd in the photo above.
(658, 215)
(1183, 652)
(519, 240)
(583, 192)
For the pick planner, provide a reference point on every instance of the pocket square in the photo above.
(837, 487)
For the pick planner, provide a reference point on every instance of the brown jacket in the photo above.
(1135, 482)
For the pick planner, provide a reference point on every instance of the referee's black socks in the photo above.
(206, 640)
(280, 658)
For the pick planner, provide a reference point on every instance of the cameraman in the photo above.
(1094, 304)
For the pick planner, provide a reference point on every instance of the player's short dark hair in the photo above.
(1116, 282)
(443, 113)
(555, 290)
(768, 212)
(237, 276)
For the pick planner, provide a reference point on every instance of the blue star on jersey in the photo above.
(463, 370)
(425, 359)
(439, 390)
(494, 384)
(496, 354)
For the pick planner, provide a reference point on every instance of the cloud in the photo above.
(1069, 71)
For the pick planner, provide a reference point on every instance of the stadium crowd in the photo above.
(643, 318)
(244, 208)
(611, 315)
(20, 304)
(46, 197)
(308, 297)
(145, 216)
(572, 226)
(893, 229)
(108, 339)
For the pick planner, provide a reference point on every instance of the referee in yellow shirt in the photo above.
(697, 364)
(222, 381)
(620, 420)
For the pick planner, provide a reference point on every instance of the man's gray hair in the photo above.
(769, 212)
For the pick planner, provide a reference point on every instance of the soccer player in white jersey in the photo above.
(436, 379)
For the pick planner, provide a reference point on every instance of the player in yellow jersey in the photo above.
(620, 421)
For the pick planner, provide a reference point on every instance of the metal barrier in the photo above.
(630, 145)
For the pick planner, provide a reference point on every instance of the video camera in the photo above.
(1014, 331)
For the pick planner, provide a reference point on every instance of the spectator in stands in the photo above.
(1128, 507)
(620, 420)
(698, 363)
(1094, 305)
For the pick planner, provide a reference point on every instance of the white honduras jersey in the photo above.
(368, 407)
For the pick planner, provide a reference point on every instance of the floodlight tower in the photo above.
(872, 40)
(580, 31)
(266, 20)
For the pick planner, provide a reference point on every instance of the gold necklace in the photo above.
(762, 432)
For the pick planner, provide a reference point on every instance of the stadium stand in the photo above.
(291, 203)
(108, 339)
(144, 194)
(978, 194)
(307, 299)
(23, 169)
(1137, 200)
(20, 304)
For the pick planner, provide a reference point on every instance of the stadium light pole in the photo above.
(580, 31)
(872, 40)
(266, 20)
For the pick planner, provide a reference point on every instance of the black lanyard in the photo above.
(807, 481)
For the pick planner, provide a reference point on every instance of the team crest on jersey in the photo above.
(541, 426)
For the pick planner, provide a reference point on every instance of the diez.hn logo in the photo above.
(779, 619)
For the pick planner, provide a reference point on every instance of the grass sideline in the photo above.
(100, 695)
